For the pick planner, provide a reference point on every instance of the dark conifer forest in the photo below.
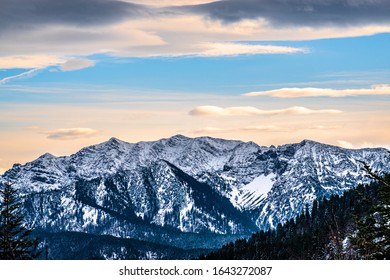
(355, 225)
(15, 240)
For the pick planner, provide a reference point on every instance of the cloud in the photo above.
(24, 49)
(34, 127)
(296, 12)
(20, 14)
(345, 144)
(77, 64)
(70, 65)
(41, 33)
(259, 128)
(28, 61)
(79, 28)
(233, 49)
(170, 2)
(214, 111)
(24, 75)
(70, 133)
(361, 145)
(263, 128)
(42, 61)
(313, 92)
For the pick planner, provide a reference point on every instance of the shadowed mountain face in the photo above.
(190, 193)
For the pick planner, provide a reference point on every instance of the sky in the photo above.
(78, 72)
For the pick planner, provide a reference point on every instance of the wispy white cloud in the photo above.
(214, 111)
(77, 64)
(259, 128)
(345, 144)
(70, 133)
(44, 61)
(315, 92)
(263, 128)
(234, 49)
(359, 145)
(24, 75)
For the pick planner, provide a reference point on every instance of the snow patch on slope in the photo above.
(261, 185)
(250, 195)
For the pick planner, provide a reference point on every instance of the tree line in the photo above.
(355, 225)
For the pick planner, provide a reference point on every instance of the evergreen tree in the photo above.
(15, 241)
(372, 240)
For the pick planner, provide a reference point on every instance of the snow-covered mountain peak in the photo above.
(176, 181)
(309, 142)
(47, 156)
(113, 143)
(179, 137)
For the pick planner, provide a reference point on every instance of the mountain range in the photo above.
(179, 193)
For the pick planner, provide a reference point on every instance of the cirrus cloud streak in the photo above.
(259, 128)
(233, 49)
(316, 92)
(24, 75)
(70, 133)
(215, 111)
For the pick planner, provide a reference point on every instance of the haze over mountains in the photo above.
(187, 192)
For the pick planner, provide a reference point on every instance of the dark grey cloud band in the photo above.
(24, 15)
(29, 13)
(297, 12)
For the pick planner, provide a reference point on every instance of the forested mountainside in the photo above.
(355, 225)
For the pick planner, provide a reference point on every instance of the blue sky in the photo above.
(70, 78)
(331, 61)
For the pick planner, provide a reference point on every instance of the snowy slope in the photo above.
(199, 185)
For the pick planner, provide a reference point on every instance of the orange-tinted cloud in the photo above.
(70, 133)
(213, 111)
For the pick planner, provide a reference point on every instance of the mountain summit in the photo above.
(184, 185)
